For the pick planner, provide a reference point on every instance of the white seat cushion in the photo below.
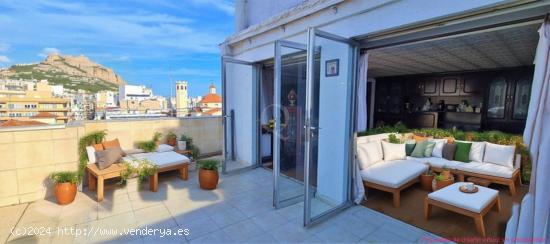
(487, 169)
(368, 154)
(162, 159)
(499, 154)
(474, 202)
(393, 173)
(437, 162)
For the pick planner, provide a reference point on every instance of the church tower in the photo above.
(212, 89)
(182, 99)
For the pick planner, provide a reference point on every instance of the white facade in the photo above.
(58, 90)
(132, 92)
(361, 22)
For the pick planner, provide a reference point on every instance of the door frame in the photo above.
(277, 69)
(312, 34)
(256, 76)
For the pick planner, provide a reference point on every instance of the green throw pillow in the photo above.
(419, 149)
(429, 149)
(409, 147)
(462, 152)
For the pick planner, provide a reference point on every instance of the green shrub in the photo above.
(94, 137)
(208, 164)
(392, 138)
(147, 146)
(142, 169)
(65, 177)
(195, 152)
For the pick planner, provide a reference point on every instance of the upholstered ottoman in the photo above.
(474, 205)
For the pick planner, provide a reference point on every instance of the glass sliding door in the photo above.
(240, 114)
(331, 62)
(288, 148)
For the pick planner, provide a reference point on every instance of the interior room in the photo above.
(475, 81)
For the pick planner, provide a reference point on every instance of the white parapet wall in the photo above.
(29, 155)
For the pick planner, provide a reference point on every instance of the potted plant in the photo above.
(446, 172)
(171, 139)
(65, 186)
(182, 143)
(156, 138)
(208, 174)
(440, 181)
(426, 180)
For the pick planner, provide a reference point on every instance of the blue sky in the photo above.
(148, 42)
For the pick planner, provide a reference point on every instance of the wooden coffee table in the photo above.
(474, 205)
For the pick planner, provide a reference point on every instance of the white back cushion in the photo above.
(367, 154)
(91, 154)
(499, 154)
(438, 148)
(477, 151)
(393, 151)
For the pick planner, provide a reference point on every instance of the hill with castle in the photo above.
(73, 72)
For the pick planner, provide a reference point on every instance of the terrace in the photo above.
(240, 209)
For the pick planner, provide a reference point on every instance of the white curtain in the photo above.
(529, 222)
(362, 115)
(359, 189)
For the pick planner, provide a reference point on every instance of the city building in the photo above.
(28, 100)
(182, 99)
(211, 103)
(134, 93)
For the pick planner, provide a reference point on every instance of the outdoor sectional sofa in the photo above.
(392, 173)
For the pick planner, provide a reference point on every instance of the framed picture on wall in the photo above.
(332, 67)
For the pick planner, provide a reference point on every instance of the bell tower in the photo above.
(182, 99)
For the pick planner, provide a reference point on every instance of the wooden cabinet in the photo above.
(472, 84)
(450, 86)
(507, 99)
(466, 85)
(428, 86)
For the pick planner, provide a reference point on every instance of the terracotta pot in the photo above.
(208, 179)
(439, 184)
(446, 174)
(65, 192)
(171, 142)
(426, 182)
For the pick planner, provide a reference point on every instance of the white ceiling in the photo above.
(494, 49)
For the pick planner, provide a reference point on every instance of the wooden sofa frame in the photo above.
(395, 191)
(96, 176)
(510, 182)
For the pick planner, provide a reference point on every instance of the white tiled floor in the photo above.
(240, 210)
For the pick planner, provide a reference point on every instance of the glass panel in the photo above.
(240, 120)
(521, 99)
(497, 98)
(329, 116)
(291, 96)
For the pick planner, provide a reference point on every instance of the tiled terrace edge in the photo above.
(29, 155)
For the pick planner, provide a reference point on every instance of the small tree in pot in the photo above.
(65, 186)
(208, 174)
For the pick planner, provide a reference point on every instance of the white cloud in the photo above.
(4, 47)
(222, 5)
(4, 59)
(47, 51)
